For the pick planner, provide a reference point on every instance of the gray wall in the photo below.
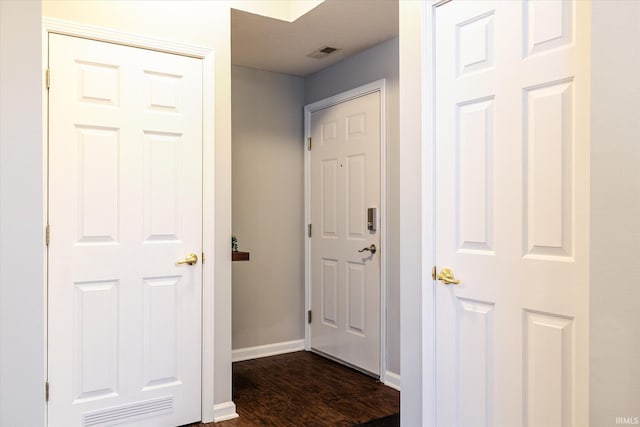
(376, 63)
(615, 212)
(21, 216)
(268, 206)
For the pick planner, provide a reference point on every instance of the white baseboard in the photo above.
(392, 380)
(224, 411)
(266, 350)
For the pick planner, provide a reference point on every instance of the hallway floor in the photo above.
(303, 389)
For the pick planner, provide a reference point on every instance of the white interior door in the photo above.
(345, 183)
(125, 203)
(512, 143)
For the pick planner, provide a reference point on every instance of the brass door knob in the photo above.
(446, 276)
(191, 259)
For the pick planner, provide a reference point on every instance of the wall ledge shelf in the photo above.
(239, 256)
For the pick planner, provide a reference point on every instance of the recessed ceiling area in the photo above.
(350, 26)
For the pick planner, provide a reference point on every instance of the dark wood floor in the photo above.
(303, 389)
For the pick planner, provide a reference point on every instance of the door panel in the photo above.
(475, 229)
(511, 137)
(125, 203)
(548, 180)
(345, 182)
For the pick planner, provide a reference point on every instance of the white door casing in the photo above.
(512, 181)
(344, 177)
(125, 203)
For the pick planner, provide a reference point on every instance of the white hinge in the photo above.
(309, 230)
(309, 316)
(47, 234)
(48, 78)
(46, 391)
(309, 144)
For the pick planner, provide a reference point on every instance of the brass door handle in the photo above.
(446, 276)
(191, 259)
(371, 249)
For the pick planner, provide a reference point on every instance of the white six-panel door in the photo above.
(125, 203)
(345, 182)
(512, 126)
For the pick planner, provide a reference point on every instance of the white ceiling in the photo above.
(275, 45)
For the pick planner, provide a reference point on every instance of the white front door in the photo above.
(125, 204)
(345, 278)
(512, 143)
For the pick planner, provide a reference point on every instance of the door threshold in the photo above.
(347, 364)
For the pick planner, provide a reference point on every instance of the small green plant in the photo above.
(234, 243)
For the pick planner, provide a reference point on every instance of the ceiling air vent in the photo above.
(322, 52)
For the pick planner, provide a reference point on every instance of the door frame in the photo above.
(206, 55)
(417, 223)
(376, 86)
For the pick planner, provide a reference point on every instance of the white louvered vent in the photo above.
(129, 412)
